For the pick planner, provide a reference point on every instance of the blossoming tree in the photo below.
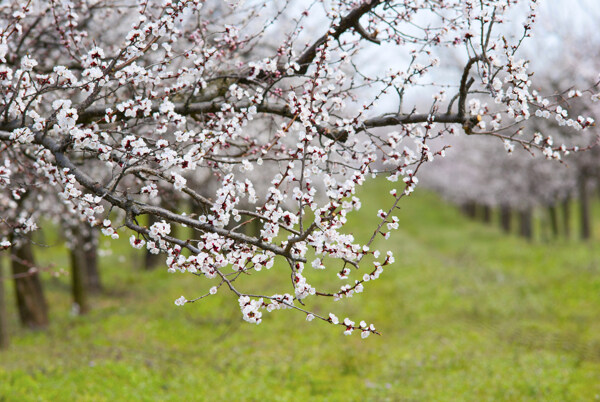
(470, 174)
(279, 103)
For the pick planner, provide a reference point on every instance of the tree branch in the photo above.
(347, 22)
(464, 85)
(125, 204)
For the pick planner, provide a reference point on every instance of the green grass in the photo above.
(466, 313)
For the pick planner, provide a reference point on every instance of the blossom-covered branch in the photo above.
(266, 121)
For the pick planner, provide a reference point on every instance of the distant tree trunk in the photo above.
(78, 275)
(4, 338)
(584, 203)
(526, 224)
(469, 208)
(84, 270)
(505, 218)
(553, 213)
(566, 215)
(90, 248)
(486, 213)
(31, 303)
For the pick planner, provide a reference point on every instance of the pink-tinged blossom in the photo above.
(136, 243)
(23, 135)
(27, 63)
(333, 318)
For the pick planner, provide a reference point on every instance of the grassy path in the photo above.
(466, 314)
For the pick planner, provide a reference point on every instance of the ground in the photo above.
(466, 313)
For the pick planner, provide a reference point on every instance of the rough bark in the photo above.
(31, 303)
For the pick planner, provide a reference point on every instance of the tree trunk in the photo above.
(78, 280)
(90, 247)
(486, 213)
(31, 303)
(584, 203)
(470, 209)
(505, 218)
(526, 224)
(4, 339)
(566, 215)
(553, 213)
